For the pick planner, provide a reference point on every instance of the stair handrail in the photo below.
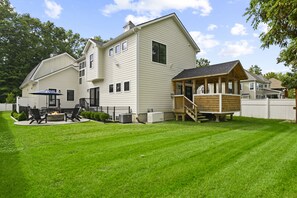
(195, 112)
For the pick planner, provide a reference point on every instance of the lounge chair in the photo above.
(37, 117)
(74, 115)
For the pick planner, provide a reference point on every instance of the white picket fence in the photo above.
(268, 108)
(6, 106)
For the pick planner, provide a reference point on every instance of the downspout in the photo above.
(135, 30)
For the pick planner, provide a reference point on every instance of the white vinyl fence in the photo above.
(6, 106)
(269, 108)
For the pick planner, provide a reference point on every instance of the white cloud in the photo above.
(212, 27)
(154, 8)
(204, 41)
(238, 29)
(263, 27)
(137, 19)
(53, 9)
(256, 35)
(236, 49)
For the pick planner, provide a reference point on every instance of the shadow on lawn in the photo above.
(12, 180)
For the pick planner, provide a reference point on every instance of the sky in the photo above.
(218, 26)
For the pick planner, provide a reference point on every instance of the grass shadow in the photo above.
(12, 180)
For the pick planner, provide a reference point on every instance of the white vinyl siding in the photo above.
(155, 86)
(118, 69)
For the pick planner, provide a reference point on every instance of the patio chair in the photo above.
(74, 115)
(37, 117)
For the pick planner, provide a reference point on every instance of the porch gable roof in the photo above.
(212, 70)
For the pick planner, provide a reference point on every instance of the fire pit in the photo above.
(56, 116)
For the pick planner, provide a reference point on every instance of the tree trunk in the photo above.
(296, 104)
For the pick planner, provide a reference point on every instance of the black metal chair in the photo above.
(37, 117)
(74, 115)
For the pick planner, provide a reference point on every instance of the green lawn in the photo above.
(241, 158)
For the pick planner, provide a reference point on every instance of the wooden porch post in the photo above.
(174, 87)
(227, 85)
(205, 86)
(233, 87)
(238, 87)
(184, 88)
(194, 89)
(220, 84)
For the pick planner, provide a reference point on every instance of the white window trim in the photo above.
(129, 86)
(112, 51)
(253, 86)
(166, 53)
(113, 88)
(123, 50)
(115, 47)
(116, 88)
(92, 61)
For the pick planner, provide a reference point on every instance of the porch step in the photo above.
(202, 120)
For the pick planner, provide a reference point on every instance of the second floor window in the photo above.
(118, 87)
(117, 49)
(158, 52)
(91, 60)
(252, 86)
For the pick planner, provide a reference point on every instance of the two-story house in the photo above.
(134, 69)
(257, 87)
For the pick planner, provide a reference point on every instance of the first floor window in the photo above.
(52, 99)
(118, 87)
(111, 88)
(80, 81)
(158, 52)
(94, 97)
(70, 95)
(127, 86)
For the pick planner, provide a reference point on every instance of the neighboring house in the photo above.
(57, 73)
(135, 69)
(257, 87)
(277, 85)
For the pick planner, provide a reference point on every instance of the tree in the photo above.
(202, 62)
(10, 98)
(271, 75)
(280, 16)
(255, 69)
(24, 42)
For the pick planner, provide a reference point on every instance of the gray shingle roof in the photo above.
(29, 76)
(212, 70)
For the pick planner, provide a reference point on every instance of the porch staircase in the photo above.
(197, 117)
(191, 109)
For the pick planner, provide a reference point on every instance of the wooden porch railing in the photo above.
(182, 105)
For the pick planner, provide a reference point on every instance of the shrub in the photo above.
(19, 116)
(22, 116)
(97, 116)
(104, 116)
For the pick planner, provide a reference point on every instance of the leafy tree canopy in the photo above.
(281, 18)
(24, 42)
(202, 62)
(255, 69)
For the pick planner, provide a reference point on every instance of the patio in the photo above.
(49, 123)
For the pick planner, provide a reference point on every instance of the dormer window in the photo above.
(91, 60)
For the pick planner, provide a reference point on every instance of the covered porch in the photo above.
(212, 90)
